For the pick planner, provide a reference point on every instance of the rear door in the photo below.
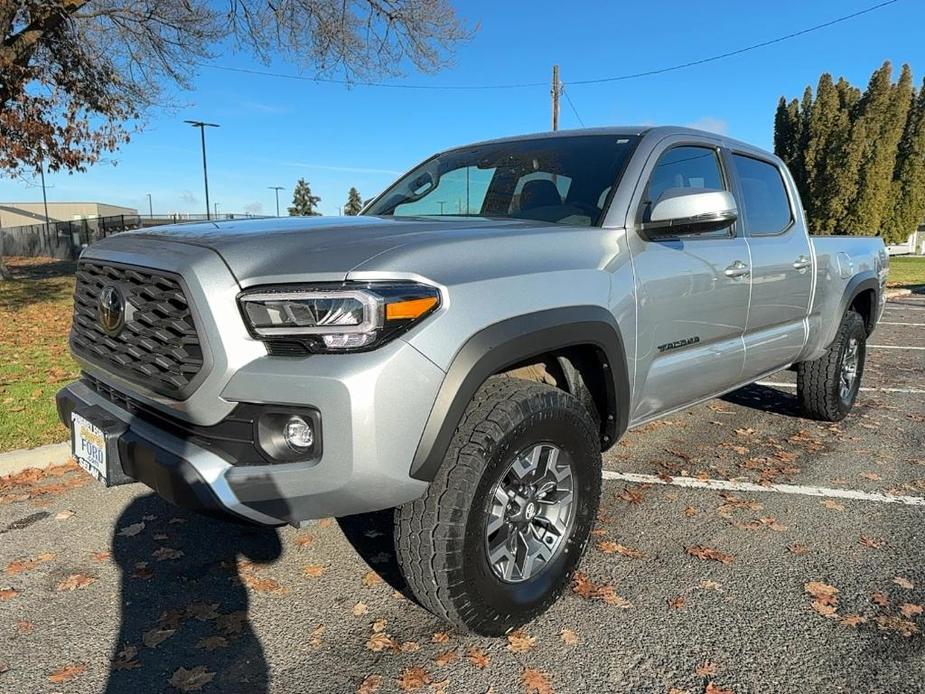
(691, 291)
(781, 263)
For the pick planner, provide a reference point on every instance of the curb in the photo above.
(41, 457)
(893, 293)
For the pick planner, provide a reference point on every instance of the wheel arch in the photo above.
(584, 341)
(862, 295)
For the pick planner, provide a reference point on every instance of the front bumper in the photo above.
(186, 472)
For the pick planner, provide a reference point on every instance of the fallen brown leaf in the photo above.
(212, 643)
(22, 565)
(191, 680)
(630, 495)
(609, 547)
(202, 611)
(535, 682)
(378, 625)
(798, 549)
(380, 641)
(66, 673)
(360, 609)
(8, 594)
(677, 602)
(102, 555)
(157, 636)
(440, 637)
(164, 553)
(371, 578)
(706, 669)
(710, 554)
(870, 542)
(126, 659)
(409, 647)
(132, 530)
(852, 620)
(519, 642)
(446, 657)
(898, 624)
(262, 584)
(713, 689)
(75, 581)
(879, 598)
(872, 476)
(413, 678)
(478, 657)
(569, 637)
(904, 583)
(303, 540)
(370, 684)
(24, 627)
(832, 505)
(314, 570)
(910, 609)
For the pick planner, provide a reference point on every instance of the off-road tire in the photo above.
(818, 381)
(439, 538)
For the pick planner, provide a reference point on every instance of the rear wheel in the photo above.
(500, 530)
(828, 386)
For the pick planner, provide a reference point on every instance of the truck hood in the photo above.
(327, 248)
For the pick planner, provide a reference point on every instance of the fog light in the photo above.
(298, 434)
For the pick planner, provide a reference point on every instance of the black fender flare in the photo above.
(513, 341)
(861, 283)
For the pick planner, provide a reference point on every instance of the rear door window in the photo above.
(767, 206)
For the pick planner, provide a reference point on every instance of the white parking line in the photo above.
(916, 391)
(905, 308)
(727, 486)
(913, 325)
(896, 347)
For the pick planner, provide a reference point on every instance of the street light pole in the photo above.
(150, 206)
(205, 171)
(276, 189)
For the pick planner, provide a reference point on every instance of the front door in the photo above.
(692, 293)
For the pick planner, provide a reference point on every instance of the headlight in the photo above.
(341, 317)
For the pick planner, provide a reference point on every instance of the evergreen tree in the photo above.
(881, 117)
(908, 185)
(303, 202)
(828, 184)
(858, 159)
(354, 202)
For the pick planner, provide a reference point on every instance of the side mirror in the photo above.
(685, 211)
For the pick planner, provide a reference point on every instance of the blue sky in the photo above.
(274, 131)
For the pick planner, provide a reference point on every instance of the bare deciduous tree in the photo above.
(78, 76)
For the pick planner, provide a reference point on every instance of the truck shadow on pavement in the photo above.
(765, 399)
(372, 536)
(184, 603)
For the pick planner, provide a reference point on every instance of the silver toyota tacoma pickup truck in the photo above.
(465, 349)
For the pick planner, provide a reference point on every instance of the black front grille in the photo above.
(157, 347)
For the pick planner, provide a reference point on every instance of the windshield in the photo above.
(564, 180)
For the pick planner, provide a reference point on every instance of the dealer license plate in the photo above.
(89, 446)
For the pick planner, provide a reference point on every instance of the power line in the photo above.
(739, 51)
(524, 85)
(574, 110)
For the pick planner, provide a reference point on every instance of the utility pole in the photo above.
(205, 171)
(150, 206)
(556, 92)
(215, 205)
(276, 189)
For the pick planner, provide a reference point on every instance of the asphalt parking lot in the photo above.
(801, 570)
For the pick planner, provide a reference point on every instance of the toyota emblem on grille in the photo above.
(111, 309)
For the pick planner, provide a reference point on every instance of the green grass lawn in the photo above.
(906, 271)
(35, 317)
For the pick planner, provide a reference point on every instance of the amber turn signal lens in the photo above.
(408, 310)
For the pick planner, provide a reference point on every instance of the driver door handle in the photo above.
(737, 269)
(802, 263)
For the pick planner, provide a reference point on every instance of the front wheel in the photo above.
(495, 539)
(828, 386)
